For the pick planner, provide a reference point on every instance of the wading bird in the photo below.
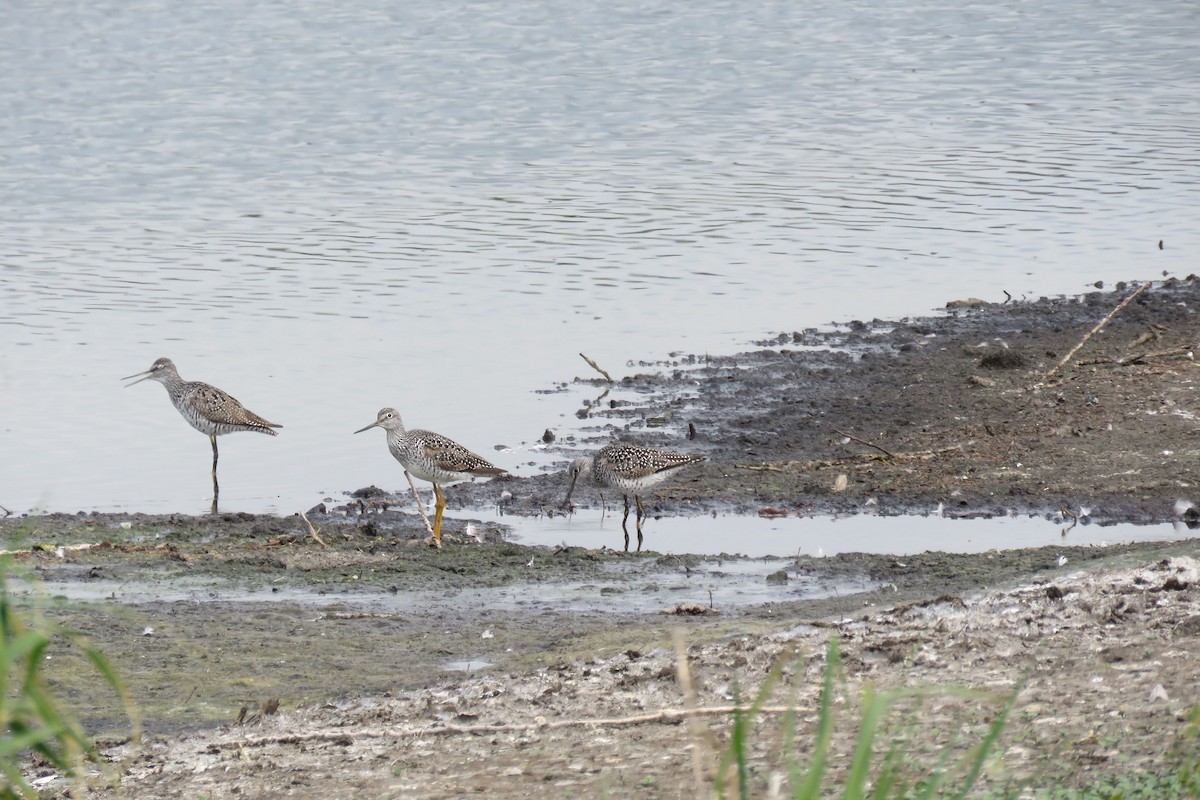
(431, 457)
(206, 408)
(632, 470)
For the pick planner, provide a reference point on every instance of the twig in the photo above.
(586, 410)
(596, 367)
(6, 511)
(670, 716)
(312, 530)
(863, 442)
(1147, 336)
(838, 462)
(1170, 353)
(1094, 331)
(763, 467)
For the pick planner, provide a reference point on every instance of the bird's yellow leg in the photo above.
(440, 506)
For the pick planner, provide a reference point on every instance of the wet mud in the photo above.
(347, 618)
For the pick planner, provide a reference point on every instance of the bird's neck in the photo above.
(173, 383)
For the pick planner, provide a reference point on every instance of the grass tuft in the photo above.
(33, 723)
(897, 774)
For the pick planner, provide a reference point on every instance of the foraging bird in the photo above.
(206, 408)
(431, 457)
(631, 469)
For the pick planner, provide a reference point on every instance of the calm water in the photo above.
(328, 208)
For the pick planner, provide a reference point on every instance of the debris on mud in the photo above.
(1102, 667)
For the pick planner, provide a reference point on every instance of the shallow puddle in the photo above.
(466, 666)
(758, 537)
(710, 583)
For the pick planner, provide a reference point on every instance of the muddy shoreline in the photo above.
(210, 615)
(954, 409)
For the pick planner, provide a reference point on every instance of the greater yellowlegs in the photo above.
(631, 469)
(206, 408)
(431, 457)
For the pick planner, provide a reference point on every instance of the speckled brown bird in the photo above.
(205, 407)
(631, 469)
(431, 457)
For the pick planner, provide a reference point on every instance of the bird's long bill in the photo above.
(567, 500)
(141, 376)
(372, 425)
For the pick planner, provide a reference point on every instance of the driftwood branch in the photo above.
(312, 531)
(669, 716)
(1173, 352)
(596, 367)
(1094, 331)
(863, 442)
(53, 549)
(922, 455)
(1140, 358)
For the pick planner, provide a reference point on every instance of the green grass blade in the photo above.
(735, 753)
(989, 742)
(20, 738)
(875, 708)
(819, 763)
(31, 719)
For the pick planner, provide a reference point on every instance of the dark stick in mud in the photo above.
(863, 442)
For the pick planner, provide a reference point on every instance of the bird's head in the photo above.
(580, 467)
(388, 419)
(161, 371)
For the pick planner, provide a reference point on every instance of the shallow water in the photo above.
(324, 210)
(718, 583)
(752, 549)
(756, 537)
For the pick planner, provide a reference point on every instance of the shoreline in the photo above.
(913, 413)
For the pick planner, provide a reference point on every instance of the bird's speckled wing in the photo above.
(222, 408)
(631, 462)
(451, 456)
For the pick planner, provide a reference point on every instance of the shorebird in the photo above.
(206, 408)
(631, 469)
(431, 457)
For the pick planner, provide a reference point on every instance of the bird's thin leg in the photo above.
(625, 523)
(641, 515)
(436, 539)
(216, 487)
(420, 505)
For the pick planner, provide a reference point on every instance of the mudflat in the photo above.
(337, 655)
